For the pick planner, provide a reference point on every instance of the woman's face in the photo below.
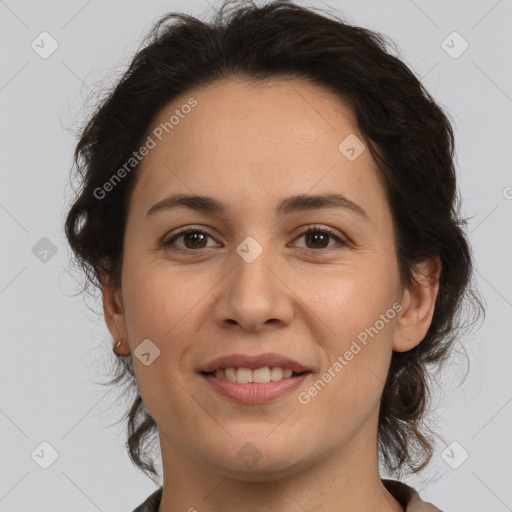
(249, 280)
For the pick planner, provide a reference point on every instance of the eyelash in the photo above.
(314, 229)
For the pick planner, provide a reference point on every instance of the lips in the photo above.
(254, 362)
(253, 394)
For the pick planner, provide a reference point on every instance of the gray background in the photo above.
(50, 357)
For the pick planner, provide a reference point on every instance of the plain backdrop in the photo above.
(51, 410)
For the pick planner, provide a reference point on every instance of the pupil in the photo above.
(189, 236)
(316, 234)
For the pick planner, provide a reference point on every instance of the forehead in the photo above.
(244, 141)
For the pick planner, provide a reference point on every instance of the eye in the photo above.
(193, 238)
(319, 238)
(196, 239)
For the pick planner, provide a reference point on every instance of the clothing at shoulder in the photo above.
(405, 495)
(151, 503)
(408, 497)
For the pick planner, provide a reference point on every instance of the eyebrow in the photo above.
(207, 204)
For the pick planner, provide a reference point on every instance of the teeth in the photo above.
(259, 376)
(244, 375)
(276, 373)
(230, 374)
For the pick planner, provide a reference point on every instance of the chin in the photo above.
(258, 458)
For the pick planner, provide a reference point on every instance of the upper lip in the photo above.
(253, 362)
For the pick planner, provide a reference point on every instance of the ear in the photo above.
(114, 314)
(418, 302)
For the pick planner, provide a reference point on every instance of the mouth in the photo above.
(254, 379)
(262, 375)
(252, 387)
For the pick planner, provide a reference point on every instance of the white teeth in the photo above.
(231, 374)
(276, 373)
(261, 375)
(258, 376)
(244, 375)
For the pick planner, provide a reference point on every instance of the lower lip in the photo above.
(254, 393)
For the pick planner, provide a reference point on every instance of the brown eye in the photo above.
(193, 239)
(319, 238)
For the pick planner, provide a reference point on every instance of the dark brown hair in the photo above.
(407, 133)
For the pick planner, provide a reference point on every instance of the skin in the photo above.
(251, 146)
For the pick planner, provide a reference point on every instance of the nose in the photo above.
(254, 296)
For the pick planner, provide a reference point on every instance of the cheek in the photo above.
(351, 299)
(158, 301)
(357, 350)
(357, 322)
(160, 306)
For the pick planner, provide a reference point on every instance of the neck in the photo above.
(344, 481)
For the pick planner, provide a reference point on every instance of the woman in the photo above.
(268, 205)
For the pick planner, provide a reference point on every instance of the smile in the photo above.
(262, 385)
(258, 375)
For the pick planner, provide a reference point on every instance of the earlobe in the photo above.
(418, 305)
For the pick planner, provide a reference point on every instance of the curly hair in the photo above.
(408, 134)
